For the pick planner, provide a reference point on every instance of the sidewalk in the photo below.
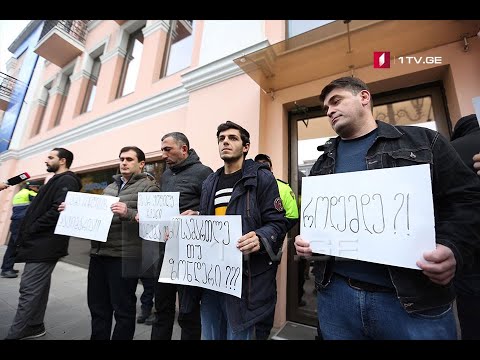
(67, 316)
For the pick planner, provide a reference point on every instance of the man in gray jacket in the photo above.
(112, 272)
(185, 174)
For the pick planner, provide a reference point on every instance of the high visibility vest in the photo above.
(23, 197)
(288, 199)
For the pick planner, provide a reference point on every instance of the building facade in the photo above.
(105, 84)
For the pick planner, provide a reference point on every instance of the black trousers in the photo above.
(468, 308)
(111, 292)
(9, 256)
(188, 316)
(146, 299)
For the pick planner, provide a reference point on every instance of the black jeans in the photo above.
(111, 293)
(188, 316)
(146, 299)
(9, 256)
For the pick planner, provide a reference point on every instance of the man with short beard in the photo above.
(39, 248)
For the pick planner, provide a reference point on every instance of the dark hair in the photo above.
(353, 84)
(138, 151)
(263, 157)
(179, 138)
(65, 154)
(244, 134)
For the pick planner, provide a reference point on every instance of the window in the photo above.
(421, 105)
(131, 66)
(297, 27)
(94, 182)
(43, 103)
(63, 100)
(179, 47)
(91, 86)
(156, 169)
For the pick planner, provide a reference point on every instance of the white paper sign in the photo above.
(202, 251)
(86, 216)
(155, 210)
(382, 216)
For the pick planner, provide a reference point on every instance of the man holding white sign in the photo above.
(243, 187)
(184, 174)
(110, 290)
(367, 300)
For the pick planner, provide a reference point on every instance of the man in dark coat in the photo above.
(466, 140)
(246, 188)
(114, 266)
(407, 304)
(39, 248)
(185, 174)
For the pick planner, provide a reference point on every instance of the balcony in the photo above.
(7, 84)
(62, 41)
(183, 28)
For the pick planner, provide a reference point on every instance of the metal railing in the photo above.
(7, 84)
(77, 29)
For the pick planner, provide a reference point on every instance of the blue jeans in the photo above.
(215, 324)
(345, 313)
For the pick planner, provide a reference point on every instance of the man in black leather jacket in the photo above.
(362, 300)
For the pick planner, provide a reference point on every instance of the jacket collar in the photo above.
(191, 159)
(133, 179)
(384, 130)
(249, 171)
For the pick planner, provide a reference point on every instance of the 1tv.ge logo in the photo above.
(381, 59)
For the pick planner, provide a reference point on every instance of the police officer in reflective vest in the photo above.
(20, 201)
(264, 327)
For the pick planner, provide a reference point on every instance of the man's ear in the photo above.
(365, 97)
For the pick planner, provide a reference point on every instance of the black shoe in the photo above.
(16, 271)
(150, 319)
(34, 331)
(9, 274)
(143, 316)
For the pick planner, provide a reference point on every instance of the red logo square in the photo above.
(381, 59)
